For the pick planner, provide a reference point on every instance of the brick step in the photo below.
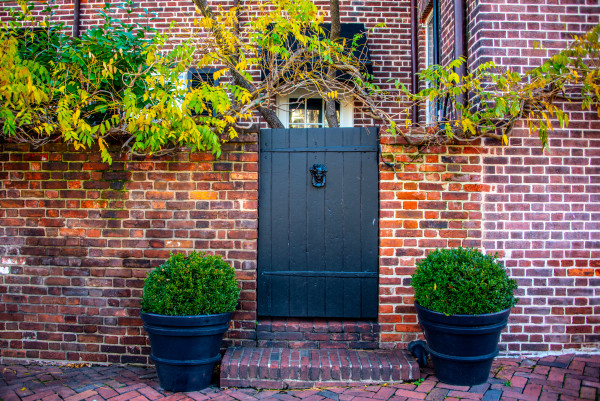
(283, 368)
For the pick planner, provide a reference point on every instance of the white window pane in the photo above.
(430, 49)
(313, 116)
(297, 117)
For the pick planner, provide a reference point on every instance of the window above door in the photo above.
(297, 110)
(309, 113)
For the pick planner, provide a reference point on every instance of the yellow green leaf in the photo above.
(219, 73)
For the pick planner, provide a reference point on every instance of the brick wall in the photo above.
(317, 333)
(428, 202)
(543, 216)
(541, 212)
(77, 236)
(539, 209)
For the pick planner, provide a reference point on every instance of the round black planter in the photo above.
(185, 349)
(462, 347)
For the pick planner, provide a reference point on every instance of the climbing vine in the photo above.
(489, 101)
(129, 81)
(117, 80)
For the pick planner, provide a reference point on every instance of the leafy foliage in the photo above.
(118, 79)
(463, 282)
(197, 284)
(488, 101)
(126, 81)
(285, 39)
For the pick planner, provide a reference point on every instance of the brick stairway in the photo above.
(282, 368)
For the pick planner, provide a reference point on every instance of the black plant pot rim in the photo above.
(192, 320)
(462, 320)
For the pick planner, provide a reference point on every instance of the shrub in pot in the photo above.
(187, 305)
(463, 299)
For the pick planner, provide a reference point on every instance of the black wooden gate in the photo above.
(318, 245)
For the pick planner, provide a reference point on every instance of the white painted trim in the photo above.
(428, 118)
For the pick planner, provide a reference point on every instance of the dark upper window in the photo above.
(196, 76)
(351, 32)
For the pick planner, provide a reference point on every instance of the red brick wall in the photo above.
(541, 212)
(433, 201)
(507, 32)
(543, 215)
(77, 236)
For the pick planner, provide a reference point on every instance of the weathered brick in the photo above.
(537, 209)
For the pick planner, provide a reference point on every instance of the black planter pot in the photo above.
(462, 347)
(185, 349)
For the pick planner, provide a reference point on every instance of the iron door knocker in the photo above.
(318, 172)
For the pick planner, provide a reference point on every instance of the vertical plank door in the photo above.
(318, 246)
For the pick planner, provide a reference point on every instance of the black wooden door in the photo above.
(318, 246)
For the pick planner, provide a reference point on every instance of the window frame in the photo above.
(188, 77)
(429, 32)
(432, 33)
(305, 102)
(283, 108)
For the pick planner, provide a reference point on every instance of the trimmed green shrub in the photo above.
(197, 284)
(460, 281)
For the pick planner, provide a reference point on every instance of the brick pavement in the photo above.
(564, 377)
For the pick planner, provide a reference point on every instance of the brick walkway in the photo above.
(566, 377)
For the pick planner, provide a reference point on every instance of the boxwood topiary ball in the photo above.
(197, 284)
(458, 281)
